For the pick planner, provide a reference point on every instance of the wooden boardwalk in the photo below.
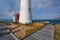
(5, 34)
(46, 33)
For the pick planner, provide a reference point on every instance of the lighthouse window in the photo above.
(29, 9)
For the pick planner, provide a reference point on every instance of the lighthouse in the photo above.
(25, 12)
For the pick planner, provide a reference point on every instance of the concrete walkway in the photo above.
(46, 33)
(4, 33)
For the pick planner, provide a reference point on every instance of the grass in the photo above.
(57, 31)
(21, 30)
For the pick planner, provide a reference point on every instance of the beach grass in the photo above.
(23, 30)
(57, 31)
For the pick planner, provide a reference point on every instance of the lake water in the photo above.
(51, 21)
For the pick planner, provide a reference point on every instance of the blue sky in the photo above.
(41, 9)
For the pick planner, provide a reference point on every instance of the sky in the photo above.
(41, 9)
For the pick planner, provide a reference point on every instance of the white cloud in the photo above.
(56, 3)
(8, 8)
(41, 3)
(46, 3)
(46, 16)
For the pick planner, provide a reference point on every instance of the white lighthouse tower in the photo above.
(25, 12)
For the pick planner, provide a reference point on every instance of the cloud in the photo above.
(33, 3)
(46, 3)
(56, 3)
(46, 16)
(8, 8)
(41, 3)
(14, 5)
(58, 17)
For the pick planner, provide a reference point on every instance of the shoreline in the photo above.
(57, 30)
(22, 31)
